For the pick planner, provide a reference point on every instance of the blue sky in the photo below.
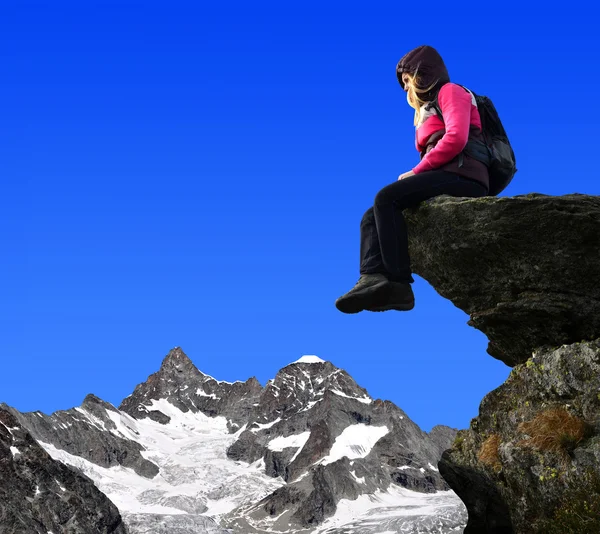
(193, 174)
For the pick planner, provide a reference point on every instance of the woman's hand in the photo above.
(406, 175)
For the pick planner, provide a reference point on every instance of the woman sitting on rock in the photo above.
(445, 169)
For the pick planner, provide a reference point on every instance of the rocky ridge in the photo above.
(88, 432)
(183, 385)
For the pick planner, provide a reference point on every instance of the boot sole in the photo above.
(358, 302)
(397, 307)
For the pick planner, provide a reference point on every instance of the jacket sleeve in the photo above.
(455, 104)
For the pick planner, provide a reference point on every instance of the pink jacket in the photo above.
(461, 117)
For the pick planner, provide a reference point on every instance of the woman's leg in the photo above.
(370, 252)
(373, 282)
(405, 193)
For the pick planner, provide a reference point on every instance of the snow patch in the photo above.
(364, 400)
(360, 480)
(9, 428)
(220, 381)
(302, 476)
(356, 441)
(202, 393)
(432, 467)
(296, 440)
(262, 426)
(310, 405)
(14, 450)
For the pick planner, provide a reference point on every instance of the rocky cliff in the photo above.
(527, 271)
(39, 495)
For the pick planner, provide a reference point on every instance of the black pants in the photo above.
(383, 234)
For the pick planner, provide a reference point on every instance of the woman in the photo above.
(445, 169)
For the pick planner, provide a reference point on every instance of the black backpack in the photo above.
(497, 153)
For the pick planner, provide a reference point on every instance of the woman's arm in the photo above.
(455, 104)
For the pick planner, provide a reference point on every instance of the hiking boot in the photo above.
(370, 290)
(399, 297)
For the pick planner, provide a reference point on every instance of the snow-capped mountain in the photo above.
(309, 452)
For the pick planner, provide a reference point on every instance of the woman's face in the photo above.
(405, 80)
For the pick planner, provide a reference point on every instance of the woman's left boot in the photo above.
(369, 291)
(399, 297)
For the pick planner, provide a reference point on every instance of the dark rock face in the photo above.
(90, 433)
(525, 268)
(40, 495)
(534, 449)
(187, 388)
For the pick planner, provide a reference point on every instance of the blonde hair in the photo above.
(414, 90)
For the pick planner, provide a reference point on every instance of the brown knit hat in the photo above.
(430, 66)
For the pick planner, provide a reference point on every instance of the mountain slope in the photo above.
(39, 495)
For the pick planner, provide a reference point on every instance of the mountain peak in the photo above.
(92, 403)
(180, 383)
(177, 360)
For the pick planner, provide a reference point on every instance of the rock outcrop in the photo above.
(527, 271)
(525, 268)
(530, 462)
(39, 495)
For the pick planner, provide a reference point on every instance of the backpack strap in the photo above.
(435, 104)
(475, 149)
